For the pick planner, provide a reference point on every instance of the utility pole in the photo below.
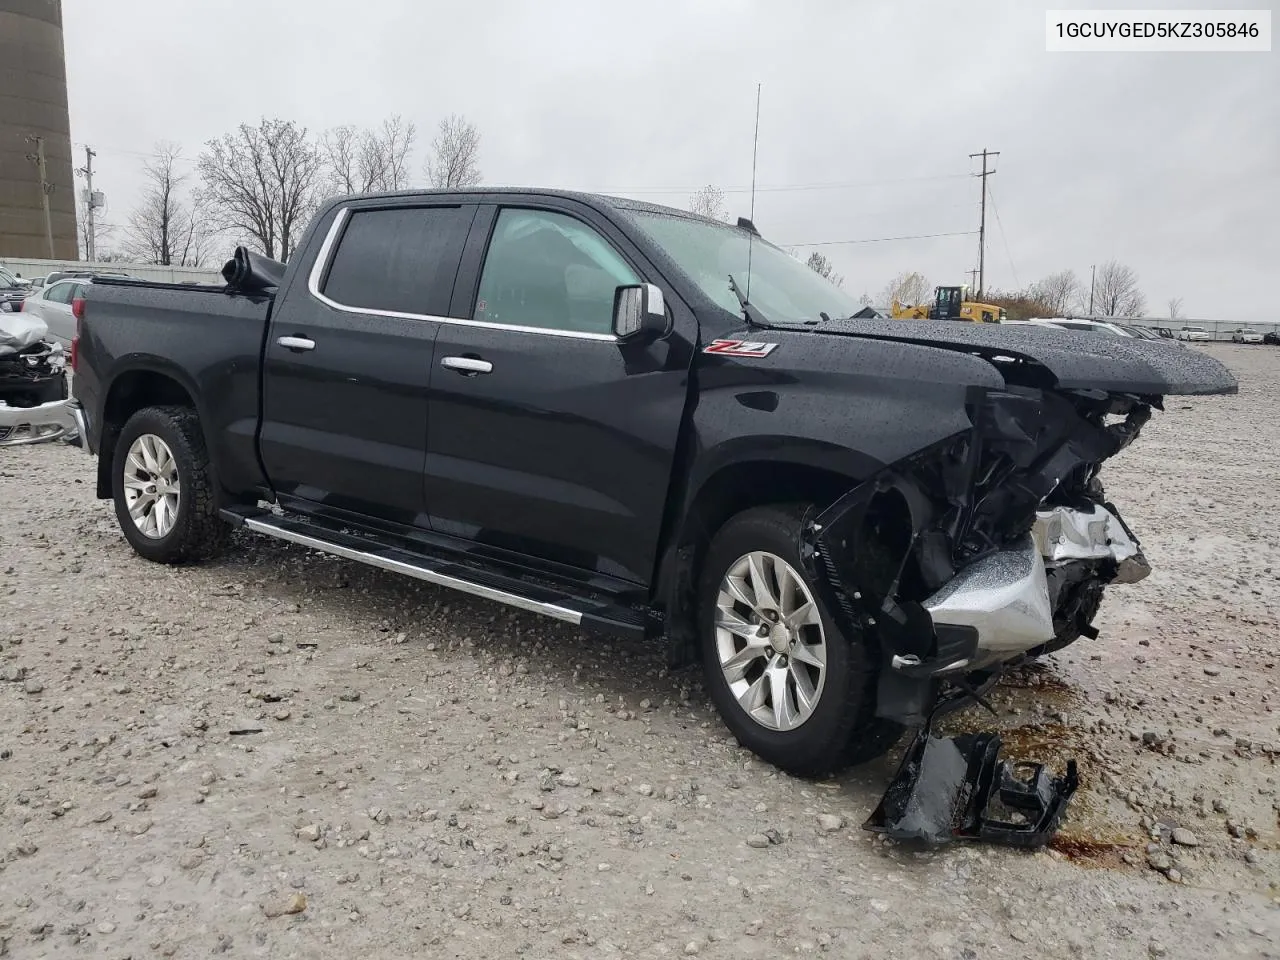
(90, 251)
(1093, 274)
(45, 188)
(973, 277)
(982, 223)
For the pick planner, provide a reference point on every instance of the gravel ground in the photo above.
(281, 754)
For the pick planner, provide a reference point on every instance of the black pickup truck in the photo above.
(647, 423)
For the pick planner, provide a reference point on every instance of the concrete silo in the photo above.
(33, 104)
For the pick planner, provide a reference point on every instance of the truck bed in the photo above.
(204, 337)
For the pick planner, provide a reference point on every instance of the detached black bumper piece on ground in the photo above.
(957, 788)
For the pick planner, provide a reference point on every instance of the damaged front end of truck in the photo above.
(974, 554)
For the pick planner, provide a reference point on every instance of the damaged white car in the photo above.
(34, 402)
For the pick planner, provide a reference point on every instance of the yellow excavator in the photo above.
(950, 303)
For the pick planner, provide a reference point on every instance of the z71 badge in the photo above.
(740, 348)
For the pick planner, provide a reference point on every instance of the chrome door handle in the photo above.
(467, 365)
(296, 343)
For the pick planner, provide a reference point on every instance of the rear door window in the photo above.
(60, 292)
(399, 260)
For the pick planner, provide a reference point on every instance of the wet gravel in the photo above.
(280, 754)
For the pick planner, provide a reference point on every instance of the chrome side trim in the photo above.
(408, 569)
(322, 264)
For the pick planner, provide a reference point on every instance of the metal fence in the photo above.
(143, 271)
(1217, 329)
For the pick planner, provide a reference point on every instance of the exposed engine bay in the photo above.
(34, 405)
(989, 547)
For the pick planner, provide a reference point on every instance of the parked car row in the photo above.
(50, 300)
(1189, 333)
(1113, 328)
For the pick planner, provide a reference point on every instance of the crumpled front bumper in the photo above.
(1005, 597)
(56, 420)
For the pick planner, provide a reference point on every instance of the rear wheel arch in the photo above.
(129, 392)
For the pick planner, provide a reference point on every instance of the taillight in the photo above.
(77, 311)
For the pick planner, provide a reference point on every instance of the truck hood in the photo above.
(1074, 360)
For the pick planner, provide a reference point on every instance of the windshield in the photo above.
(781, 287)
(7, 279)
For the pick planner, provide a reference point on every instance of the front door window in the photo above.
(549, 271)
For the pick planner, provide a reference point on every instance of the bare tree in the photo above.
(198, 235)
(263, 182)
(709, 202)
(1116, 292)
(908, 289)
(455, 154)
(340, 149)
(823, 267)
(1060, 292)
(157, 223)
(361, 161)
(865, 299)
(1175, 308)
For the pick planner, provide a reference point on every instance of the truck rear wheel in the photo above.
(790, 685)
(164, 489)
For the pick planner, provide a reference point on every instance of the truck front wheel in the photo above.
(788, 683)
(163, 487)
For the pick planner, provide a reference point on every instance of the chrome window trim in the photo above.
(321, 267)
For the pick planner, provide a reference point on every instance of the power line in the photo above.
(779, 188)
(653, 191)
(1005, 240)
(134, 153)
(917, 236)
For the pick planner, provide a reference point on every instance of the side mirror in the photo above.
(639, 312)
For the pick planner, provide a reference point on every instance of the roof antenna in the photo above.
(755, 145)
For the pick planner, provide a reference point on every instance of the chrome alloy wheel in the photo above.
(151, 488)
(770, 642)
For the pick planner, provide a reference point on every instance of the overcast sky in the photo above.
(1167, 162)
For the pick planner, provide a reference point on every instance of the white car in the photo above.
(1194, 333)
(1246, 336)
(53, 305)
(1087, 326)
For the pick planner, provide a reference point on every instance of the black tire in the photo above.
(843, 729)
(197, 533)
